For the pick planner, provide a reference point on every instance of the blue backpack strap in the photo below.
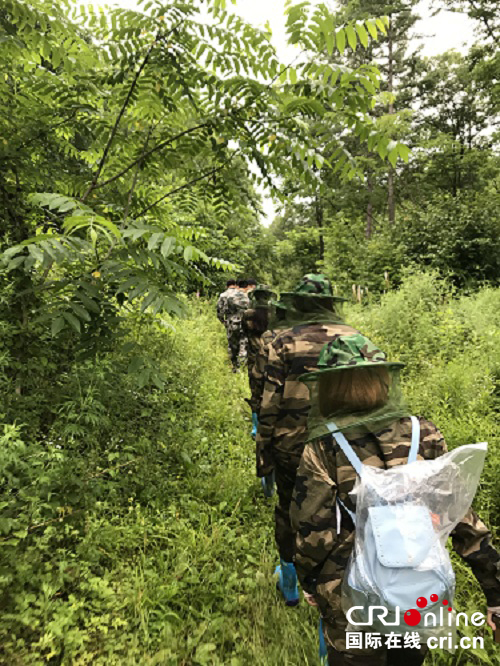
(415, 439)
(346, 448)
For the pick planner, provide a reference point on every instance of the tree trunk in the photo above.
(391, 205)
(369, 210)
(319, 222)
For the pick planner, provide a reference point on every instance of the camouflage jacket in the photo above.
(222, 304)
(325, 474)
(254, 334)
(257, 367)
(285, 401)
(235, 305)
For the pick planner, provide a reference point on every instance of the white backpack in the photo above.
(404, 516)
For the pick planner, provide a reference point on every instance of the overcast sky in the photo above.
(440, 33)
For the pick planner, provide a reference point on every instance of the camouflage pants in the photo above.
(255, 390)
(286, 471)
(236, 341)
(335, 631)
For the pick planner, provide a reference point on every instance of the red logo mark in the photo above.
(412, 617)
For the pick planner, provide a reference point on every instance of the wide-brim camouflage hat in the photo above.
(284, 302)
(347, 352)
(262, 291)
(315, 285)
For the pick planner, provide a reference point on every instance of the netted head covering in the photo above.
(256, 318)
(354, 387)
(261, 295)
(312, 301)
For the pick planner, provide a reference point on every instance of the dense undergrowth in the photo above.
(133, 529)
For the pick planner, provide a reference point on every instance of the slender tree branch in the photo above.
(148, 153)
(117, 121)
(123, 109)
(171, 193)
(165, 143)
(136, 176)
(484, 19)
(95, 185)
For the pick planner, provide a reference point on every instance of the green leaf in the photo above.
(351, 37)
(157, 380)
(72, 321)
(153, 294)
(80, 311)
(88, 302)
(382, 148)
(15, 263)
(111, 226)
(381, 25)
(136, 363)
(393, 156)
(404, 152)
(35, 252)
(57, 325)
(372, 28)
(154, 240)
(168, 246)
(363, 35)
(143, 377)
(330, 42)
(340, 40)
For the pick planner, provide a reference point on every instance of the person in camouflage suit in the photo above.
(262, 354)
(235, 305)
(258, 367)
(284, 407)
(325, 530)
(255, 324)
(221, 303)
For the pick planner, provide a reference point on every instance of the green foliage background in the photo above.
(133, 146)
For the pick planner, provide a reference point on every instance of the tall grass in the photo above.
(170, 558)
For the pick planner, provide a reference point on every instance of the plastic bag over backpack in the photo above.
(404, 516)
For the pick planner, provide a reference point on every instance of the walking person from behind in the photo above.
(383, 545)
(221, 302)
(311, 319)
(255, 325)
(236, 303)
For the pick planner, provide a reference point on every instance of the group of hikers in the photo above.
(367, 493)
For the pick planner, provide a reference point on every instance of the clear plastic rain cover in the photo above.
(404, 516)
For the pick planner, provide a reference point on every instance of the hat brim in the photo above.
(263, 293)
(337, 299)
(313, 376)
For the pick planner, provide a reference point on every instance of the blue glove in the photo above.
(255, 423)
(268, 484)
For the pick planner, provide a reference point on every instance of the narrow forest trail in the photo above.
(153, 543)
(232, 613)
(240, 619)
